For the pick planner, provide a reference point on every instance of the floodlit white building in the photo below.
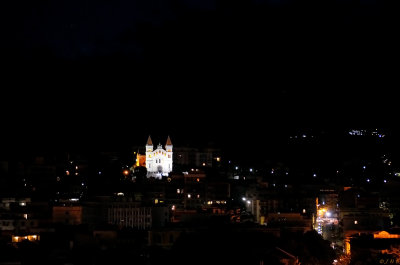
(158, 161)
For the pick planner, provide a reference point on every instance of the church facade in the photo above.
(158, 161)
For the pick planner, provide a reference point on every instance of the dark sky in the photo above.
(108, 72)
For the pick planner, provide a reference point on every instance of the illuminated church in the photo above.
(158, 162)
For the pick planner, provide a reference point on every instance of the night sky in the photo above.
(109, 73)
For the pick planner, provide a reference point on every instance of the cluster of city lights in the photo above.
(216, 202)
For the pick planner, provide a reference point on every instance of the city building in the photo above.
(133, 215)
(194, 157)
(380, 247)
(158, 162)
(70, 215)
(360, 214)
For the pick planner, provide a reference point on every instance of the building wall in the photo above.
(71, 215)
(127, 215)
(194, 189)
(159, 160)
(134, 216)
(165, 238)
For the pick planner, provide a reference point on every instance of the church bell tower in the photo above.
(149, 153)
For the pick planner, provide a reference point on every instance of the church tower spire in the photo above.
(149, 141)
(168, 148)
(149, 145)
(168, 141)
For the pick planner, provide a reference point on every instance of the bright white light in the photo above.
(368, 180)
(243, 198)
(251, 170)
(236, 168)
(189, 196)
(248, 202)
(328, 214)
(384, 180)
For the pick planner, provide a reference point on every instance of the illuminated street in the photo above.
(327, 224)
